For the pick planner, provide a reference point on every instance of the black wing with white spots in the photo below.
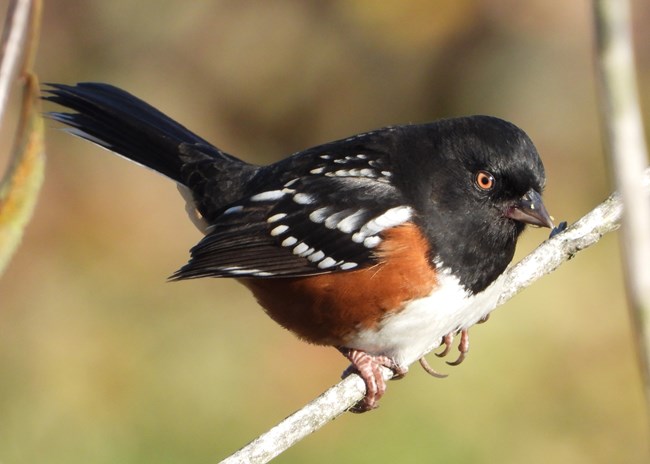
(328, 217)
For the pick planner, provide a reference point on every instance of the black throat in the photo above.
(473, 250)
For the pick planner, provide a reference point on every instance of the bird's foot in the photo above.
(463, 347)
(447, 341)
(369, 369)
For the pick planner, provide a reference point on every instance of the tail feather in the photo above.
(126, 125)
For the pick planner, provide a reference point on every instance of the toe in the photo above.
(369, 368)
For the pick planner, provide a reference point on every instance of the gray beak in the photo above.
(530, 209)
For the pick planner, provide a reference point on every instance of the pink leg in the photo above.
(369, 369)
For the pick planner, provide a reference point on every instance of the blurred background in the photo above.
(103, 361)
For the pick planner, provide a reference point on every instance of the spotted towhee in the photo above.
(372, 244)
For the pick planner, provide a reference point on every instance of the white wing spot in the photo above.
(394, 217)
(233, 210)
(372, 241)
(314, 257)
(300, 248)
(304, 198)
(319, 215)
(268, 196)
(332, 221)
(325, 157)
(291, 182)
(348, 265)
(279, 230)
(276, 217)
(391, 218)
(317, 170)
(289, 241)
(370, 228)
(326, 263)
(238, 270)
(231, 268)
(350, 223)
(306, 253)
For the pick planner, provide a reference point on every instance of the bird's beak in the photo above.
(530, 209)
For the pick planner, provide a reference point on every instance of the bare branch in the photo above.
(338, 399)
(628, 157)
(21, 183)
(13, 40)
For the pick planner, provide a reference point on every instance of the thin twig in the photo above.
(15, 30)
(628, 157)
(22, 180)
(339, 398)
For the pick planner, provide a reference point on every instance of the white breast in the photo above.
(420, 326)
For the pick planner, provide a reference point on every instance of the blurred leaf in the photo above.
(22, 181)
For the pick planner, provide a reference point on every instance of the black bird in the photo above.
(375, 244)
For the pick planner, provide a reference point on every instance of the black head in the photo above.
(475, 182)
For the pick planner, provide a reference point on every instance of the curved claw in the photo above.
(447, 340)
(429, 370)
(463, 347)
(460, 359)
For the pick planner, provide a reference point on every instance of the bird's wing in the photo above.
(329, 218)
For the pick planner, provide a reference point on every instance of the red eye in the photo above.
(484, 180)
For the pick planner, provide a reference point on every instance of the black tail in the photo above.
(120, 122)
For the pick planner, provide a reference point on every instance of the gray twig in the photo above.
(626, 146)
(13, 40)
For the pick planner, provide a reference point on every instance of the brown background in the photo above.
(102, 361)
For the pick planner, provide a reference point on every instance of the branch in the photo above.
(628, 157)
(13, 44)
(339, 398)
(20, 184)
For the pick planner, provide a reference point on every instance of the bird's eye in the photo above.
(484, 180)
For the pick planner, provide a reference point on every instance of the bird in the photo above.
(374, 244)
